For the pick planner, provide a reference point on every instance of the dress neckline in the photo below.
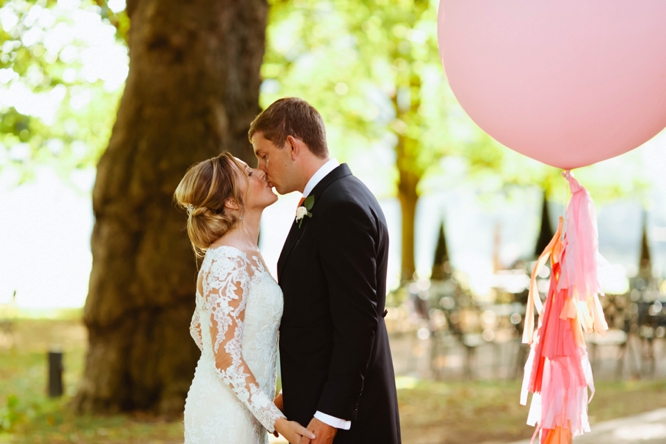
(219, 247)
(257, 258)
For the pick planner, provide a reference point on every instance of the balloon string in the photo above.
(565, 174)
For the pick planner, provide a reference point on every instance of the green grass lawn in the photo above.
(32, 417)
(431, 412)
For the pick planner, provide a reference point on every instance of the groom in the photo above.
(337, 373)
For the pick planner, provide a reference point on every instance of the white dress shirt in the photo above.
(322, 172)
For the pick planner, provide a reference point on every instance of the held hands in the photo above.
(293, 431)
(324, 432)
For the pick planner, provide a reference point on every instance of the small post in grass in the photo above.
(55, 371)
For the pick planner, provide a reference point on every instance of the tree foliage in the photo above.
(372, 68)
(62, 68)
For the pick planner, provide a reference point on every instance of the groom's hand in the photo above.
(324, 433)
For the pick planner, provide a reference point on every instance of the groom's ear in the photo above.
(292, 147)
(297, 148)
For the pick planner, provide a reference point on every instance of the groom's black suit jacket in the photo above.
(334, 348)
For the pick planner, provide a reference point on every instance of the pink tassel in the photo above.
(558, 370)
(581, 243)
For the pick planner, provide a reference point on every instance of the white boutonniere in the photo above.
(304, 210)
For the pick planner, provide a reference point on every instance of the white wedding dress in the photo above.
(235, 324)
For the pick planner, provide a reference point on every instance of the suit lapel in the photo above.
(295, 233)
(289, 244)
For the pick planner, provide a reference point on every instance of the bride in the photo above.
(238, 308)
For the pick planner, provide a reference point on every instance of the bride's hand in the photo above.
(292, 430)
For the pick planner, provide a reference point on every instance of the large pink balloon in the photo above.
(566, 82)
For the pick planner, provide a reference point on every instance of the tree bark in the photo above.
(407, 163)
(192, 91)
(408, 196)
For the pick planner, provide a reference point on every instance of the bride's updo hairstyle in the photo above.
(202, 192)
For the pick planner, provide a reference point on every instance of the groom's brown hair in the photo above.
(294, 117)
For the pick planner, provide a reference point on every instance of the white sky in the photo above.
(45, 229)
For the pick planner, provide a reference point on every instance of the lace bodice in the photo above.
(235, 324)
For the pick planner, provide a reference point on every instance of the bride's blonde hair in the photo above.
(203, 192)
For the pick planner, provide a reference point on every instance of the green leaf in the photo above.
(309, 203)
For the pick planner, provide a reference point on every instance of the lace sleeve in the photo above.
(226, 290)
(195, 328)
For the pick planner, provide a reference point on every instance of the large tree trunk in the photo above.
(192, 92)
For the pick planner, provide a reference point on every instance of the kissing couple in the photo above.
(326, 310)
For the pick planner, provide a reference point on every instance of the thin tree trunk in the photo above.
(407, 162)
(407, 185)
(191, 92)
